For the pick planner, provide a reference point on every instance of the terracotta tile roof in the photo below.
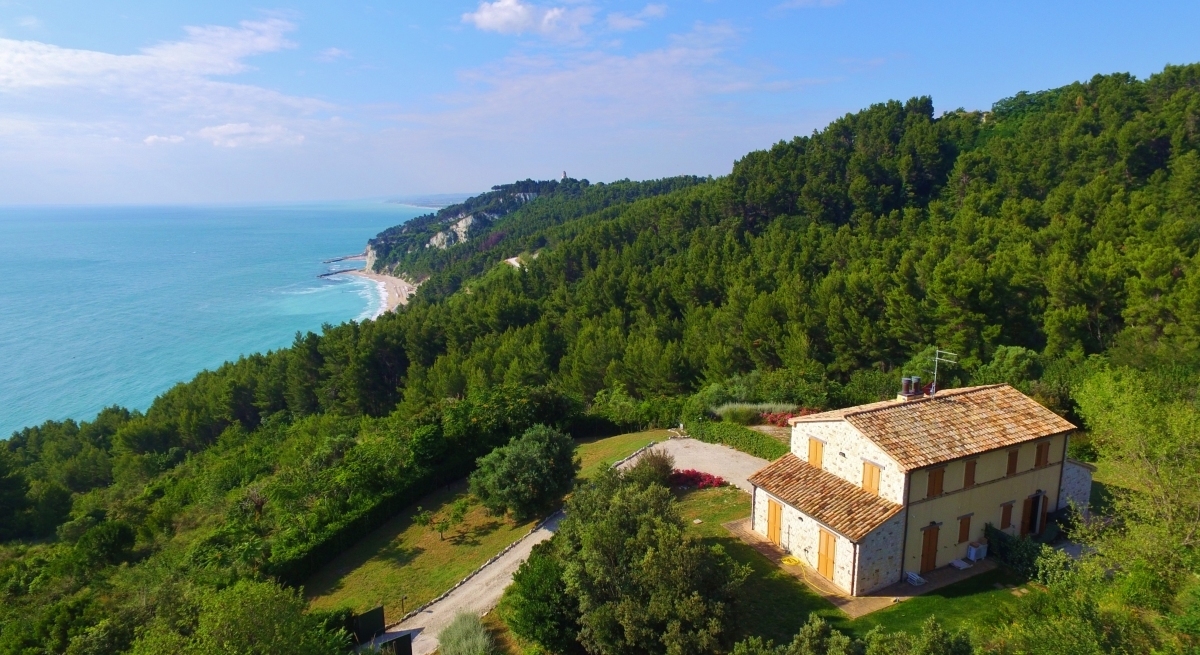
(844, 507)
(954, 423)
(840, 414)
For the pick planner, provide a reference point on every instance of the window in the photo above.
(1043, 455)
(1006, 515)
(870, 478)
(816, 453)
(964, 529)
(935, 482)
(969, 475)
(1012, 462)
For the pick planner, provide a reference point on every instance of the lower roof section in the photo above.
(844, 507)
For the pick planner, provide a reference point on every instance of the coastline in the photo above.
(393, 291)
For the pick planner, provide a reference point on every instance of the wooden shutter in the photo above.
(964, 529)
(936, 477)
(870, 478)
(1042, 522)
(1043, 455)
(1026, 516)
(1006, 516)
(969, 475)
(1012, 462)
(816, 453)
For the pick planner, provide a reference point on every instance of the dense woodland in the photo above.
(1052, 242)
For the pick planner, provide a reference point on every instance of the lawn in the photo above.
(402, 559)
(595, 454)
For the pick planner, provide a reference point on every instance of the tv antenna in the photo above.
(941, 357)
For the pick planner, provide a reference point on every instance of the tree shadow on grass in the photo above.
(474, 536)
(399, 554)
(771, 603)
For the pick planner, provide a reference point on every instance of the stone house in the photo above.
(870, 493)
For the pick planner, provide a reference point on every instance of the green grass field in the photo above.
(403, 559)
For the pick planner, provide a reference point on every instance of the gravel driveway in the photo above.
(482, 592)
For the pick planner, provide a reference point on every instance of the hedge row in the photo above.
(735, 436)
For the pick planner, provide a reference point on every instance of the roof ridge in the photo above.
(961, 391)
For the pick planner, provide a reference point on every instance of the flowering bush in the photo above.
(780, 419)
(694, 478)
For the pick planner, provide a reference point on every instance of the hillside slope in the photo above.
(1059, 225)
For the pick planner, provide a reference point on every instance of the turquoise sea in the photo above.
(114, 305)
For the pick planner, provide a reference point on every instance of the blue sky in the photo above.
(170, 102)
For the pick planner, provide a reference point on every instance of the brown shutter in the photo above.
(964, 529)
(1042, 522)
(1012, 462)
(929, 547)
(1043, 455)
(936, 476)
(1026, 516)
(969, 476)
(1006, 516)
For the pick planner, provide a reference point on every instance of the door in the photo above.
(1028, 524)
(774, 521)
(825, 551)
(929, 549)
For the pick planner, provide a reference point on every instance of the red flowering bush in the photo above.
(780, 419)
(694, 478)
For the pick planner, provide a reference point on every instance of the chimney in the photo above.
(906, 388)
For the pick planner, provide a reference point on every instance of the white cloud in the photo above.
(154, 139)
(233, 135)
(517, 17)
(620, 22)
(211, 50)
(332, 54)
(30, 22)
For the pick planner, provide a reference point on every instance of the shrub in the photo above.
(654, 466)
(696, 479)
(465, 635)
(735, 436)
(542, 610)
(533, 472)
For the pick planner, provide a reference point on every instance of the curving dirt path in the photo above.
(482, 592)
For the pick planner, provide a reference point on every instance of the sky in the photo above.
(107, 102)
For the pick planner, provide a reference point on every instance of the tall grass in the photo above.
(466, 635)
(749, 413)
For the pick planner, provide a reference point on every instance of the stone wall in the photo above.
(879, 556)
(799, 535)
(1076, 486)
(845, 451)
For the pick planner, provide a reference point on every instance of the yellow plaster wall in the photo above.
(992, 489)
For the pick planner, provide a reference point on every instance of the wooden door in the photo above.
(929, 549)
(1027, 521)
(774, 521)
(825, 553)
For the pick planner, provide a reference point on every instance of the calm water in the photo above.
(102, 306)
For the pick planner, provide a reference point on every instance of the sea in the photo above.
(105, 306)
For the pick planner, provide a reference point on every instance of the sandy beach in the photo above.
(396, 291)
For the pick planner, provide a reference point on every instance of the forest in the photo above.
(1053, 242)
